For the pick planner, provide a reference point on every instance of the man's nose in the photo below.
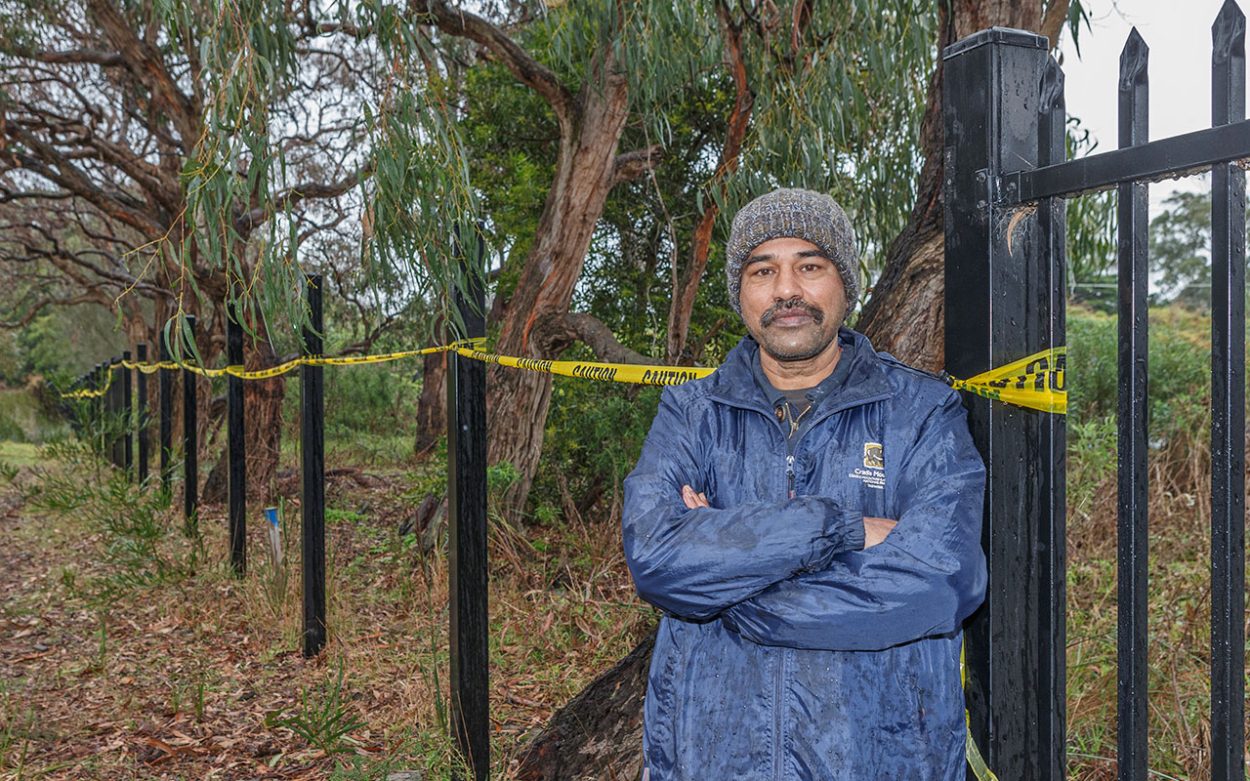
(787, 284)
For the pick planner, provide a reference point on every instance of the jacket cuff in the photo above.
(846, 528)
(842, 531)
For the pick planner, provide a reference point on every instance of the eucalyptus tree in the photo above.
(163, 158)
(823, 95)
(186, 154)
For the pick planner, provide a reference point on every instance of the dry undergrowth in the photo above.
(111, 669)
(1179, 610)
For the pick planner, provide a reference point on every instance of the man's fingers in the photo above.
(876, 530)
(687, 496)
(692, 499)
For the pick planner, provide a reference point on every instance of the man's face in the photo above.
(793, 300)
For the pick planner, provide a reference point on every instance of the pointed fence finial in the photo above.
(1228, 33)
(1052, 87)
(1133, 60)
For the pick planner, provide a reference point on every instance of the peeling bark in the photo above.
(585, 172)
(432, 403)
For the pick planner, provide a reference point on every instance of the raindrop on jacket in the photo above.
(786, 650)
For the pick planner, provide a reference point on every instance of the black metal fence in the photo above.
(1006, 178)
(115, 424)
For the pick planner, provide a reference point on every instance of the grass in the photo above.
(23, 419)
(19, 453)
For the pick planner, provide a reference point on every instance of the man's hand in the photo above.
(693, 500)
(875, 529)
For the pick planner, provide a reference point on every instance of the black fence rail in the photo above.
(1006, 179)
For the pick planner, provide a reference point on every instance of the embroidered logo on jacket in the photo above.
(873, 471)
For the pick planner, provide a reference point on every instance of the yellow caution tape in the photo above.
(637, 374)
(89, 393)
(1036, 382)
(272, 371)
(975, 760)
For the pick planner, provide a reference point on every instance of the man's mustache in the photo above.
(791, 303)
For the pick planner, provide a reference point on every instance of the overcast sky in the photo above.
(1179, 37)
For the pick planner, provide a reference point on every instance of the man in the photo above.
(809, 519)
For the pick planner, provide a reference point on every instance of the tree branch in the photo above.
(1053, 21)
(556, 332)
(631, 165)
(142, 60)
(527, 70)
(292, 197)
(100, 57)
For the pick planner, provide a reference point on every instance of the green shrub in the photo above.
(594, 435)
(1179, 370)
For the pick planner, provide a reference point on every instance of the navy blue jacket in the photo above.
(786, 650)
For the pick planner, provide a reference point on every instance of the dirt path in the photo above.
(120, 661)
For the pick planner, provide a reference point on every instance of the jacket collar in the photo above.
(734, 383)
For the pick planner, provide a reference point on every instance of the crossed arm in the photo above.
(875, 529)
(811, 581)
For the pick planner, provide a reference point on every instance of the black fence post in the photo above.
(190, 446)
(235, 448)
(1132, 528)
(1004, 300)
(466, 494)
(1047, 278)
(99, 409)
(165, 403)
(116, 456)
(1228, 394)
(312, 454)
(128, 417)
(144, 415)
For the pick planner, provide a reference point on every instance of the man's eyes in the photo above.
(805, 268)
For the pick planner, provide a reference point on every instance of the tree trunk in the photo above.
(262, 425)
(598, 735)
(585, 173)
(432, 403)
(905, 315)
(686, 287)
(262, 429)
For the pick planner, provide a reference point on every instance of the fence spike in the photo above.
(1132, 524)
(1134, 58)
(1228, 33)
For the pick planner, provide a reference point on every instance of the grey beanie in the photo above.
(797, 214)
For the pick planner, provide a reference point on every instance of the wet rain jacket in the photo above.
(786, 651)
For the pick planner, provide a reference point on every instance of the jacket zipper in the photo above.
(779, 682)
(779, 761)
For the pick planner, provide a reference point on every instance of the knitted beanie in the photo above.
(797, 214)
